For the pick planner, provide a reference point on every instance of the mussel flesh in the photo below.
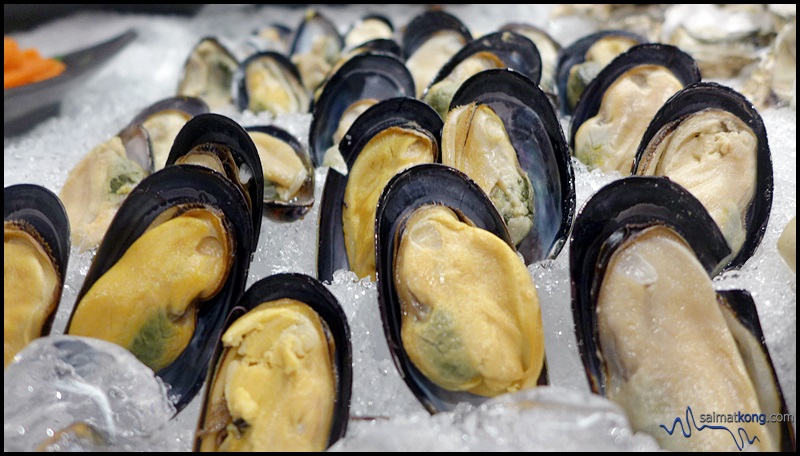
(208, 73)
(283, 371)
(458, 330)
(268, 81)
(787, 244)
(35, 255)
(368, 28)
(622, 100)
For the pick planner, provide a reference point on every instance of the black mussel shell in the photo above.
(514, 50)
(575, 54)
(535, 132)
(288, 211)
(367, 75)
(242, 96)
(411, 189)
(705, 95)
(39, 209)
(616, 211)
(313, 25)
(313, 293)
(380, 46)
(410, 112)
(218, 129)
(173, 186)
(681, 64)
(427, 24)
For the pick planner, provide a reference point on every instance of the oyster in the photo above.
(619, 104)
(208, 73)
(430, 40)
(316, 46)
(186, 234)
(458, 331)
(504, 49)
(787, 244)
(283, 373)
(710, 140)
(268, 81)
(288, 173)
(100, 182)
(35, 256)
(580, 62)
(654, 335)
(389, 137)
(366, 76)
(164, 119)
(503, 132)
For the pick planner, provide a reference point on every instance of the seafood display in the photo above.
(457, 165)
(471, 332)
(189, 249)
(711, 140)
(283, 371)
(645, 317)
(607, 126)
(36, 246)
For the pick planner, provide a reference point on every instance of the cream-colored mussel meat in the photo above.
(148, 301)
(440, 94)
(470, 312)
(272, 88)
(597, 57)
(95, 189)
(275, 387)
(475, 141)
(30, 288)
(666, 344)
(333, 157)
(712, 153)
(609, 140)
(431, 56)
(284, 172)
(385, 155)
(787, 244)
(163, 128)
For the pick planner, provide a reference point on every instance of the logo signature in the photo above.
(741, 438)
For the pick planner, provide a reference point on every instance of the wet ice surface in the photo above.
(59, 381)
(382, 406)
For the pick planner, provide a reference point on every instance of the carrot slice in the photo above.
(26, 66)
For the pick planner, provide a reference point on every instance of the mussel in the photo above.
(101, 181)
(370, 27)
(506, 49)
(619, 104)
(549, 50)
(36, 247)
(282, 375)
(167, 273)
(164, 119)
(288, 173)
(316, 45)
(460, 311)
(365, 77)
(389, 137)
(581, 61)
(653, 334)
(268, 81)
(429, 41)
(787, 244)
(503, 132)
(208, 73)
(219, 143)
(712, 141)
(273, 37)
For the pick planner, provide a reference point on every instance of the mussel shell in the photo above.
(138, 147)
(706, 95)
(535, 132)
(221, 48)
(409, 190)
(380, 46)
(314, 24)
(403, 111)
(313, 293)
(218, 129)
(242, 96)
(367, 17)
(616, 211)
(681, 64)
(368, 75)
(42, 210)
(575, 54)
(288, 211)
(427, 24)
(514, 50)
(173, 186)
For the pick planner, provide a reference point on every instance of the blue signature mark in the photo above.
(739, 438)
